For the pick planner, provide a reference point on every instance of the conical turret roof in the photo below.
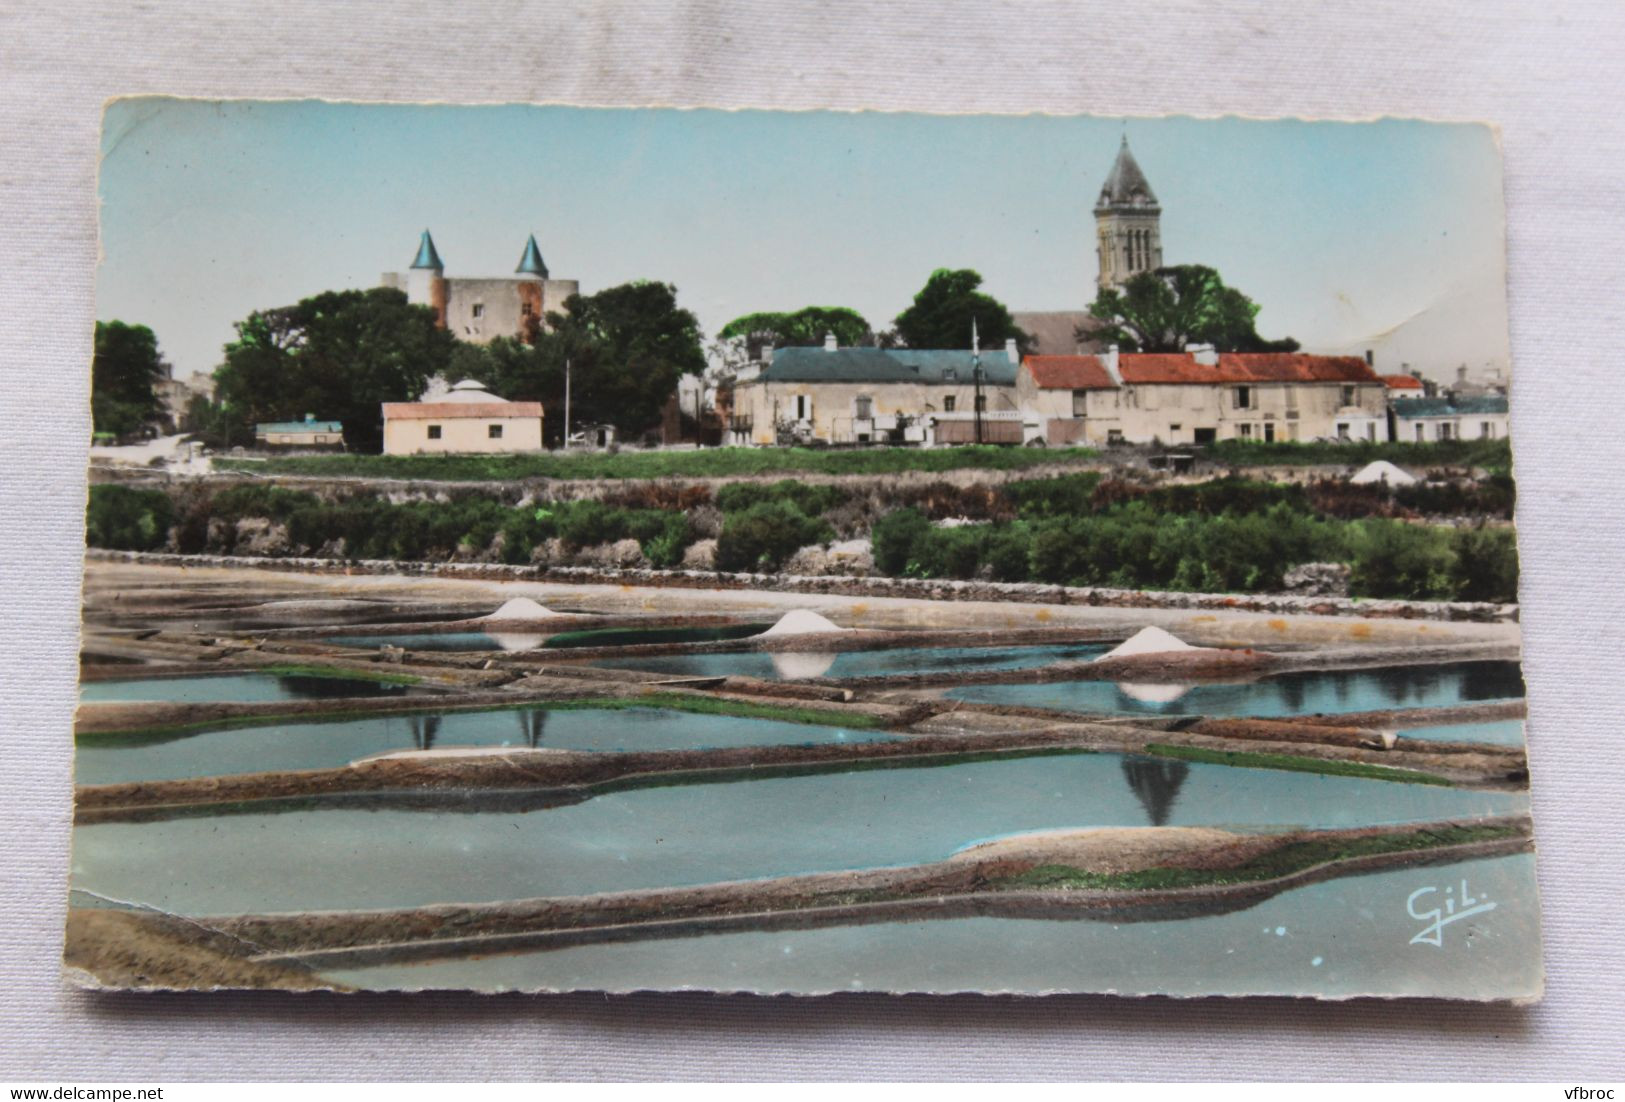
(427, 257)
(1126, 184)
(531, 263)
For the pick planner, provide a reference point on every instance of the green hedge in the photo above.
(1136, 546)
(122, 518)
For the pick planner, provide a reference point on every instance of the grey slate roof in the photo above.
(1125, 182)
(531, 263)
(886, 365)
(427, 257)
(1446, 407)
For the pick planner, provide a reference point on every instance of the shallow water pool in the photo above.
(330, 744)
(1303, 692)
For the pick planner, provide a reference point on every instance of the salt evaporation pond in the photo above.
(236, 687)
(1303, 692)
(331, 744)
(793, 665)
(427, 640)
(1338, 938)
(351, 857)
(1498, 732)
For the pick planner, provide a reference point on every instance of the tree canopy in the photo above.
(1164, 310)
(337, 355)
(124, 375)
(941, 314)
(804, 327)
(626, 346)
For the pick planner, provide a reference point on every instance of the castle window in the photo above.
(493, 432)
(479, 310)
(434, 432)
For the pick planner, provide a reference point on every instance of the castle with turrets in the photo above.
(481, 309)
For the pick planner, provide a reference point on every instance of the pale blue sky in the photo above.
(1348, 234)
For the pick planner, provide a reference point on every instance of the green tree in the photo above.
(1164, 310)
(124, 375)
(627, 347)
(338, 355)
(800, 328)
(942, 312)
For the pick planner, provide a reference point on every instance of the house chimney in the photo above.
(1204, 354)
(829, 342)
(1108, 360)
(1370, 358)
(1011, 353)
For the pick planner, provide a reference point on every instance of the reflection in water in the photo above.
(1154, 694)
(1301, 692)
(516, 641)
(425, 729)
(531, 725)
(1155, 782)
(794, 667)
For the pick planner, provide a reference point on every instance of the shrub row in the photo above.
(1137, 547)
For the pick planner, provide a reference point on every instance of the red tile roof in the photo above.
(1245, 367)
(447, 411)
(1068, 373)
(1402, 382)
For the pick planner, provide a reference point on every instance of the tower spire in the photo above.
(427, 256)
(1128, 222)
(531, 262)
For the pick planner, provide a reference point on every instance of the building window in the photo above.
(1114, 436)
(1269, 432)
(1486, 429)
(524, 309)
(1371, 431)
(948, 404)
(1080, 402)
(1348, 396)
(479, 310)
(493, 432)
(950, 376)
(863, 407)
(1421, 431)
(1244, 431)
(1243, 397)
(434, 432)
(801, 407)
(1447, 431)
(1342, 430)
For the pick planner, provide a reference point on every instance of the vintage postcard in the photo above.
(538, 548)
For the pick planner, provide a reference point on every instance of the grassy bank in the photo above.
(1293, 763)
(1284, 861)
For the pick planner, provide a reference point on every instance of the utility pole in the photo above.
(566, 403)
(976, 377)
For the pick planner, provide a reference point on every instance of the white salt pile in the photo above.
(520, 608)
(1382, 471)
(1147, 641)
(801, 621)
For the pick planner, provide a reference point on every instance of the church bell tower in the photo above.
(1128, 224)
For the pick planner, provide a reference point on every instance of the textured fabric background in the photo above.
(1549, 73)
